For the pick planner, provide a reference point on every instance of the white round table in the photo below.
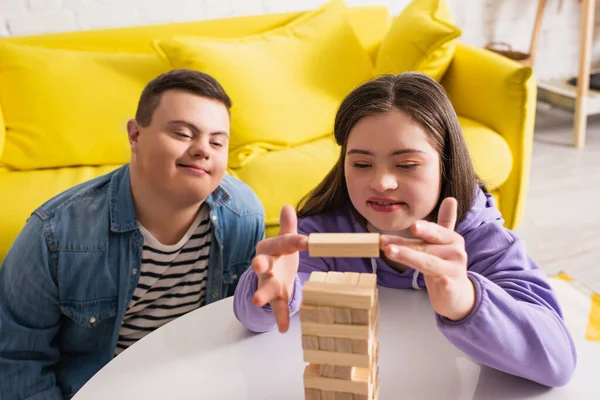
(208, 354)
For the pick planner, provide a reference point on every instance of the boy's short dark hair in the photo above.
(192, 81)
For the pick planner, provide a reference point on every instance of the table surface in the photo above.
(209, 354)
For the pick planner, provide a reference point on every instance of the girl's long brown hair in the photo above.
(426, 102)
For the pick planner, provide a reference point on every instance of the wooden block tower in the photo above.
(339, 319)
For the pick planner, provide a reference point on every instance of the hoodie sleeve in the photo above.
(516, 325)
(261, 319)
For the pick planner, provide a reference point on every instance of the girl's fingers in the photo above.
(262, 264)
(282, 314)
(426, 263)
(434, 233)
(443, 251)
(447, 213)
(282, 245)
(269, 290)
(399, 240)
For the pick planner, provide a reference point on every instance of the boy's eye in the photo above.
(183, 135)
(361, 165)
(406, 166)
(217, 144)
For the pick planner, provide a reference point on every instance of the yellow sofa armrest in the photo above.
(501, 94)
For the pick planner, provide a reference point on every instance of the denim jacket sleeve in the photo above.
(29, 318)
(257, 234)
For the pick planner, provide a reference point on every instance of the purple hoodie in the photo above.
(516, 325)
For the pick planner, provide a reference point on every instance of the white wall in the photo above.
(481, 20)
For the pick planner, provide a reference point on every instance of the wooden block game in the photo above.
(343, 244)
(339, 319)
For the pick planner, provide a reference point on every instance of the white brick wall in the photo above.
(482, 20)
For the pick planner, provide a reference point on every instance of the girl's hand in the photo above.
(440, 255)
(276, 265)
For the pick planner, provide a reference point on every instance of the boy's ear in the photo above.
(133, 132)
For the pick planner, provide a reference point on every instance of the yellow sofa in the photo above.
(493, 96)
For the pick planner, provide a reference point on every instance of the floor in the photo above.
(561, 225)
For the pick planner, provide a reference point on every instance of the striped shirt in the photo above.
(172, 281)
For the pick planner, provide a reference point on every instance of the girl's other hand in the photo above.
(439, 253)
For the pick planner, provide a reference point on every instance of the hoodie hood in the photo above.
(482, 211)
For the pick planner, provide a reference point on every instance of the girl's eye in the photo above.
(217, 144)
(361, 165)
(183, 135)
(407, 166)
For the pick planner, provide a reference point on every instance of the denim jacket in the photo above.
(67, 280)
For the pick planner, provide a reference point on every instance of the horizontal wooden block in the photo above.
(361, 346)
(341, 359)
(327, 395)
(343, 315)
(360, 384)
(325, 315)
(336, 277)
(310, 342)
(326, 343)
(351, 278)
(367, 280)
(336, 371)
(343, 245)
(336, 330)
(312, 394)
(308, 314)
(344, 345)
(360, 317)
(344, 396)
(318, 276)
(342, 295)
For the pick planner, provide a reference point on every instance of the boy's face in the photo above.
(182, 154)
(392, 171)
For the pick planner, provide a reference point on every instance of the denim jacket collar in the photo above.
(122, 210)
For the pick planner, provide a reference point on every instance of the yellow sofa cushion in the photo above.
(421, 38)
(284, 177)
(491, 155)
(67, 107)
(2, 133)
(285, 84)
(24, 191)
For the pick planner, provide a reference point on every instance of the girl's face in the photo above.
(392, 172)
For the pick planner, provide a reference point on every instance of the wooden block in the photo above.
(351, 278)
(341, 359)
(367, 280)
(325, 315)
(344, 396)
(326, 343)
(312, 394)
(360, 317)
(360, 346)
(342, 315)
(318, 276)
(336, 330)
(359, 384)
(327, 395)
(310, 342)
(308, 314)
(343, 245)
(335, 277)
(360, 397)
(335, 371)
(339, 295)
(344, 345)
